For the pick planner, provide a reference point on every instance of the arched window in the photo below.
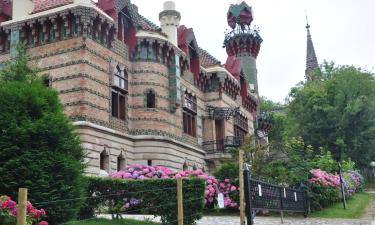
(121, 162)
(150, 99)
(104, 161)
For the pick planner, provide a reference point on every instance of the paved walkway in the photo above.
(234, 220)
(275, 221)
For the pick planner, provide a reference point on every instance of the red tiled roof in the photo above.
(43, 5)
(233, 65)
(207, 59)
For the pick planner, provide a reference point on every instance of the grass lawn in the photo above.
(113, 222)
(355, 207)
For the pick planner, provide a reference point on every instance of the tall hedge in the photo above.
(153, 196)
(39, 149)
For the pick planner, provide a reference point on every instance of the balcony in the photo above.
(120, 80)
(190, 104)
(222, 112)
(220, 146)
(265, 124)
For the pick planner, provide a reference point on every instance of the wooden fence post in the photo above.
(180, 202)
(22, 201)
(242, 193)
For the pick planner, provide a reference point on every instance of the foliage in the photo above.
(213, 185)
(325, 187)
(227, 170)
(298, 158)
(336, 112)
(143, 172)
(356, 207)
(322, 196)
(38, 146)
(8, 212)
(157, 197)
(278, 112)
(17, 68)
(269, 105)
(325, 162)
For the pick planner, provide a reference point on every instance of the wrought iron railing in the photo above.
(264, 196)
(190, 104)
(220, 146)
(246, 31)
(222, 112)
(265, 124)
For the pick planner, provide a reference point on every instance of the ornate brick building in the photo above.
(137, 92)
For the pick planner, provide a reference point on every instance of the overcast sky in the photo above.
(343, 31)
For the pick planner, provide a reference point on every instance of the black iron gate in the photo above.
(263, 196)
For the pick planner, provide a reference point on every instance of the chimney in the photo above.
(22, 8)
(170, 20)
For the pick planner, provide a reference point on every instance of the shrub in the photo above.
(151, 196)
(39, 149)
(325, 188)
(8, 212)
(322, 196)
(138, 171)
(213, 186)
(228, 170)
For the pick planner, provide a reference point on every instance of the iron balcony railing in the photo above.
(190, 104)
(221, 145)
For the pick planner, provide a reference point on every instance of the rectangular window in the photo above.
(122, 107)
(114, 104)
(185, 122)
(189, 124)
(193, 125)
(118, 105)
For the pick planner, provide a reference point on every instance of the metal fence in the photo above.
(263, 196)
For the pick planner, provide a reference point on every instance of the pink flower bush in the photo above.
(323, 178)
(138, 171)
(8, 207)
(213, 186)
(352, 180)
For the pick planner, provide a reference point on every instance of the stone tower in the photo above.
(243, 42)
(311, 60)
(170, 20)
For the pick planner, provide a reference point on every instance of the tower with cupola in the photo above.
(243, 43)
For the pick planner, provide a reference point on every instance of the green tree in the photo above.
(38, 146)
(17, 69)
(278, 112)
(336, 112)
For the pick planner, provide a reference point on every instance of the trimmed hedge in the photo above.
(157, 197)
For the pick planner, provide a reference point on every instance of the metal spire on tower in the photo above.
(311, 60)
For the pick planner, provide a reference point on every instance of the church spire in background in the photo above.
(311, 60)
